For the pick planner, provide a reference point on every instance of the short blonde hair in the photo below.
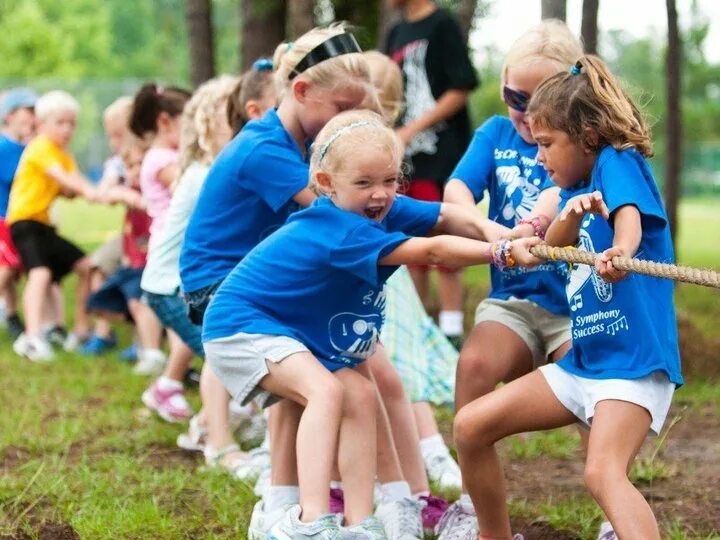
(550, 41)
(343, 69)
(199, 119)
(120, 109)
(387, 79)
(55, 101)
(349, 133)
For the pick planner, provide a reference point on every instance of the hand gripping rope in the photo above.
(685, 274)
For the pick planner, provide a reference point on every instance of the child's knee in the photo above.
(326, 389)
(361, 398)
(83, 267)
(40, 275)
(389, 384)
(472, 429)
(599, 474)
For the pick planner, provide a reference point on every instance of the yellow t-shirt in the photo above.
(33, 190)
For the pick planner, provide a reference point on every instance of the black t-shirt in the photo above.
(434, 59)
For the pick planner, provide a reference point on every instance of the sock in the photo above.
(334, 484)
(166, 384)
(451, 323)
(395, 491)
(279, 496)
(465, 500)
(151, 353)
(419, 494)
(433, 445)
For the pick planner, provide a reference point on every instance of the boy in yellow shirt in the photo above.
(46, 171)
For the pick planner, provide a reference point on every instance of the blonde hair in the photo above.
(343, 69)
(120, 109)
(349, 133)
(589, 96)
(387, 79)
(550, 41)
(53, 102)
(200, 117)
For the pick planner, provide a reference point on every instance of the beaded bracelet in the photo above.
(500, 256)
(535, 223)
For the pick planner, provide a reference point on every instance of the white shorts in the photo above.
(240, 362)
(580, 395)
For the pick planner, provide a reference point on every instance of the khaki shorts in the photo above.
(542, 331)
(107, 257)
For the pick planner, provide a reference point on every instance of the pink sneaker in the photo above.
(337, 501)
(434, 509)
(171, 405)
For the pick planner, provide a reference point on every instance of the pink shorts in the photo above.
(8, 255)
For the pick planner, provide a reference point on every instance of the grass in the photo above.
(77, 447)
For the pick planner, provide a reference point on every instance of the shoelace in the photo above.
(457, 522)
(408, 517)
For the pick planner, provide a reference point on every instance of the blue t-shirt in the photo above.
(499, 161)
(317, 280)
(623, 330)
(10, 152)
(247, 195)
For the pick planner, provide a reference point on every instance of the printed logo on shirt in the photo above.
(355, 336)
(518, 189)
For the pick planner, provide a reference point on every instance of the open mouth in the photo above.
(374, 212)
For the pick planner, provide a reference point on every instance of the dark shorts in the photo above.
(117, 291)
(172, 312)
(198, 301)
(40, 246)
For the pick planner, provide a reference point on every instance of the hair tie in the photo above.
(337, 134)
(262, 64)
(576, 69)
(289, 45)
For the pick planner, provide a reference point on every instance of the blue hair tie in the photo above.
(576, 69)
(262, 64)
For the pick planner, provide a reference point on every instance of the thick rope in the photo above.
(686, 274)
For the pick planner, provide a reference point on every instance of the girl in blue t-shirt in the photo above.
(618, 379)
(300, 314)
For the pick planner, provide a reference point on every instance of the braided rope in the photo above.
(686, 274)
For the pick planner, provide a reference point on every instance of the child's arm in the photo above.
(466, 221)
(448, 104)
(304, 197)
(628, 233)
(457, 192)
(564, 230)
(541, 216)
(168, 174)
(124, 195)
(73, 182)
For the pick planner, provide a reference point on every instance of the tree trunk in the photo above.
(302, 17)
(589, 28)
(263, 28)
(553, 9)
(202, 55)
(466, 16)
(388, 18)
(364, 15)
(673, 152)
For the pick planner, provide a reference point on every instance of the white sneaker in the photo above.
(261, 521)
(33, 348)
(150, 362)
(72, 342)
(443, 470)
(402, 519)
(263, 482)
(459, 522)
(606, 532)
(258, 460)
(291, 528)
(370, 529)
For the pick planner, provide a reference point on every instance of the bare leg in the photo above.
(55, 311)
(179, 359)
(425, 420)
(34, 299)
(283, 425)
(146, 324)
(8, 289)
(82, 291)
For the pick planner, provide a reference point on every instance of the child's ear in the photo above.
(591, 139)
(323, 182)
(252, 110)
(299, 90)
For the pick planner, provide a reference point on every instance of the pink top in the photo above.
(157, 196)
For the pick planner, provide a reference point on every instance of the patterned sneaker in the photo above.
(402, 520)
(56, 335)
(443, 470)
(606, 532)
(261, 521)
(35, 349)
(150, 362)
(171, 405)
(291, 528)
(434, 510)
(15, 326)
(370, 529)
(258, 460)
(337, 501)
(96, 345)
(458, 523)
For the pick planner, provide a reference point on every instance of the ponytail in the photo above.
(152, 100)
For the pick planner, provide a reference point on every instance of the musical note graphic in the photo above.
(577, 303)
(617, 325)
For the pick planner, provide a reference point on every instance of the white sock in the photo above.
(465, 500)
(166, 384)
(451, 322)
(279, 496)
(334, 484)
(151, 353)
(395, 491)
(419, 494)
(432, 446)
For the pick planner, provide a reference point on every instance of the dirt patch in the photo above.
(13, 456)
(162, 457)
(698, 352)
(57, 531)
(539, 530)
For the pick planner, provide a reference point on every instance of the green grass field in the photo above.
(79, 455)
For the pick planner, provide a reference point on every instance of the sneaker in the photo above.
(56, 335)
(150, 362)
(434, 510)
(370, 529)
(35, 349)
(15, 326)
(263, 482)
(170, 405)
(456, 341)
(96, 345)
(402, 520)
(290, 527)
(443, 470)
(261, 522)
(73, 341)
(337, 501)
(258, 460)
(194, 439)
(129, 354)
(606, 532)
(458, 523)
(192, 378)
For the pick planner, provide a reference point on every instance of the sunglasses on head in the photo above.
(515, 99)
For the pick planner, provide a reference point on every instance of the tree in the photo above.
(673, 152)
(553, 9)
(200, 33)
(263, 27)
(466, 15)
(589, 26)
(302, 17)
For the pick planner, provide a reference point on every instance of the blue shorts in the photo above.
(172, 312)
(117, 291)
(198, 302)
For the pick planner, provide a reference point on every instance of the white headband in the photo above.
(339, 132)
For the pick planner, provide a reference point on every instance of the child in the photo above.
(299, 323)
(17, 116)
(156, 116)
(47, 170)
(524, 321)
(253, 94)
(618, 379)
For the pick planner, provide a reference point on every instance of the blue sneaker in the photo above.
(129, 354)
(97, 345)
